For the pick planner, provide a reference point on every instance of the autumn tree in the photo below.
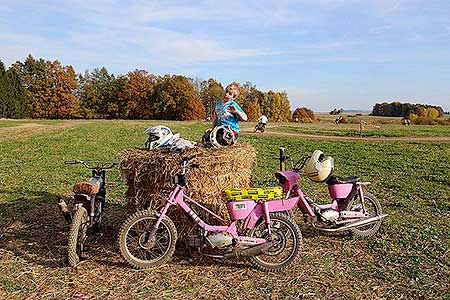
(285, 111)
(135, 97)
(303, 115)
(398, 109)
(99, 95)
(251, 101)
(433, 113)
(59, 99)
(171, 99)
(211, 91)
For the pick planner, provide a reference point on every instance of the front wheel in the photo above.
(373, 208)
(77, 236)
(288, 242)
(139, 248)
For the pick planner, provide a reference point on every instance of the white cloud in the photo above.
(380, 29)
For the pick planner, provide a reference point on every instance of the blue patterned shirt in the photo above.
(226, 117)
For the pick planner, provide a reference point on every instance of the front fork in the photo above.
(265, 206)
(150, 240)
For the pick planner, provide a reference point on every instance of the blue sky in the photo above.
(323, 53)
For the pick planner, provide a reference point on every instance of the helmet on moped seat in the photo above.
(158, 136)
(220, 136)
(318, 168)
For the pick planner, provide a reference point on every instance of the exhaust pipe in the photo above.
(355, 224)
(253, 251)
(65, 210)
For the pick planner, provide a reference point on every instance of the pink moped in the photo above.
(265, 234)
(350, 209)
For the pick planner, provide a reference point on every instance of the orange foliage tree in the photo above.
(136, 94)
(59, 94)
(174, 98)
(303, 115)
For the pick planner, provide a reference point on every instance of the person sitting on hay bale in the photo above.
(225, 120)
(227, 111)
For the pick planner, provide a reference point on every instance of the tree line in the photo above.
(412, 111)
(38, 88)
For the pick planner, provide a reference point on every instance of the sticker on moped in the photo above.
(239, 206)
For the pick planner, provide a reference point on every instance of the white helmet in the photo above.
(318, 168)
(220, 136)
(158, 136)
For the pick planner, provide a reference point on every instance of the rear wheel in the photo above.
(288, 242)
(139, 248)
(373, 208)
(77, 236)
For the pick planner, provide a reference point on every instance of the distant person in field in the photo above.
(263, 120)
(227, 111)
(361, 127)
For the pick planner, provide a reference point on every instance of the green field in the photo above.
(408, 258)
(375, 127)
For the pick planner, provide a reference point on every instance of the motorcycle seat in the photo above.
(88, 188)
(333, 179)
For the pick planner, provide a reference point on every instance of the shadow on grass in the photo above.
(34, 229)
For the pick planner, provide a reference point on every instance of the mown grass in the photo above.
(18, 122)
(408, 258)
(383, 130)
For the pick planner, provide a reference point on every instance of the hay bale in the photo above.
(148, 175)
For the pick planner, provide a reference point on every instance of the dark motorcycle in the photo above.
(260, 127)
(88, 204)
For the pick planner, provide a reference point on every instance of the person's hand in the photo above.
(232, 109)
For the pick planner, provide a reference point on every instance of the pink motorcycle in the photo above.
(265, 234)
(350, 208)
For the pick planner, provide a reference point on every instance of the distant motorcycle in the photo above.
(260, 127)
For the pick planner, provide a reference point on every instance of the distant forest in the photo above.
(398, 109)
(38, 88)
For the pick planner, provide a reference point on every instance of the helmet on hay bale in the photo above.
(318, 168)
(206, 138)
(158, 136)
(220, 136)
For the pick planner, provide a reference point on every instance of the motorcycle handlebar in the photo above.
(103, 165)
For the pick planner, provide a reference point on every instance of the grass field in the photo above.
(375, 127)
(407, 259)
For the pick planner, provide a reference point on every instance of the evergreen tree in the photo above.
(12, 102)
(3, 105)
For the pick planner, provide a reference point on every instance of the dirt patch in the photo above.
(30, 129)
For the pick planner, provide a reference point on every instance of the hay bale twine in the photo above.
(149, 174)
